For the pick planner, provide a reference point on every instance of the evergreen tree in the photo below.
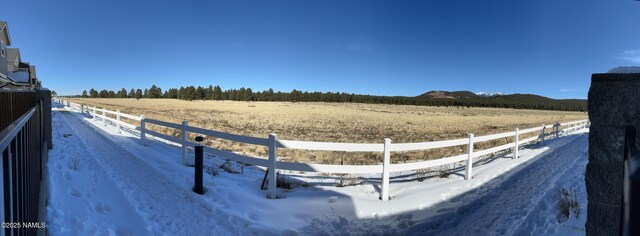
(93, 93)
(295, 96)
(190, 93)
(84, 94)
(208, 93)
(154, 92)
(104, 94)
(217, 93)
(122, 93)
(138, 94)
(248, 95)
(199, 93)
(172, 93)
(181, 93)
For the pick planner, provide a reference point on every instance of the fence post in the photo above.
(184, 141)
(542, 134)
(386, 164)
(199, 155)
(556, 128)
(142, 129)
(273, 154)
(118, 121)
(104, 116)
(515, 139)
(81, 109)
(95, 113)
(469, 172)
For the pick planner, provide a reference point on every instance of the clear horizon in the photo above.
(547, 48)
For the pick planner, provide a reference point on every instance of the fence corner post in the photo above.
(515, 140)
(273, 156)
(118, 121)
(469, 173)
(184, 141)
(142, 130)
(386, 164)
(542, 134)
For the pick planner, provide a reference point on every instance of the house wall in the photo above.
(3, 58)
(13, 59)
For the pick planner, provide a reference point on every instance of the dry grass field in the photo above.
(336, 122)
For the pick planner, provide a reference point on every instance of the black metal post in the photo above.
(197, 187)
(631, 185)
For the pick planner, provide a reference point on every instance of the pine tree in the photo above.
(190, 93)
(181, 93)
(217, 93)
(84, 94)
(123, 93)
(248, 95)
(93, 93)
(154, 92)
(138, 94)
(173, 93)
(199, 93)
(208, 93)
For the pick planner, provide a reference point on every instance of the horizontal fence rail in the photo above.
(545, 131)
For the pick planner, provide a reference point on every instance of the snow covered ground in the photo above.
(122, 187)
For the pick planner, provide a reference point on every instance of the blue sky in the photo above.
(545, 47)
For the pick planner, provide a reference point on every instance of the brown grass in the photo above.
(336, 122)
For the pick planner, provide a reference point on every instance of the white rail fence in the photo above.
(386, 147)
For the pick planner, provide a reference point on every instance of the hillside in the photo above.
(520, 101)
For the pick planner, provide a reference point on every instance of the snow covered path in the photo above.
(166, 208)
(83, 200)
(506, 205)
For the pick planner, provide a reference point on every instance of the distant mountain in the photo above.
(449, 95)
(481, 99)
(625, 69)
(484, 94)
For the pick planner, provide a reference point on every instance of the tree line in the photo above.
(190, 93)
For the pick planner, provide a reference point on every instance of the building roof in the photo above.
(5, 29)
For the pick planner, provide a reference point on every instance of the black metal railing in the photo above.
(631, 185)
(23, 147)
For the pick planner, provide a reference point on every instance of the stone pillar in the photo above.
(614, 102)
